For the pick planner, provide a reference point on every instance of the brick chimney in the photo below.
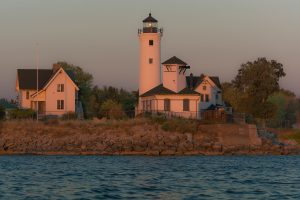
(56, 67)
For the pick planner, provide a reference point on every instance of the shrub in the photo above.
(292, 136)
(112, 110)
(2, 113)
(22, 114)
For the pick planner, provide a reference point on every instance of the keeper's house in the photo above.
(56, 94)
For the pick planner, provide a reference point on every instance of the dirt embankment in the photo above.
(133, 137)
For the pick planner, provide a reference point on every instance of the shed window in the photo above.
(151, 42)
(186, 105)
(167, 105)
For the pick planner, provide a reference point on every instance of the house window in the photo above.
(60, 88)
(27, 94)
(186, 105)
(207, 98)
(150, 60)
(167, 105)
(204, 87)
(151, 42)
(202, 98)
(60, 104)
(217, 96)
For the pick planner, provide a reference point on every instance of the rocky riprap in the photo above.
(133, 137)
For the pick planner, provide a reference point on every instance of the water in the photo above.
(134, 177)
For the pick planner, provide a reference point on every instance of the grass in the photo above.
(295, 135)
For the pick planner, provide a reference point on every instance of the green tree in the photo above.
(112, 110)
(286, 109)
(126, 99)
(255, 82)
(84, 81)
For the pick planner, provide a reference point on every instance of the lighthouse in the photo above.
(150, 62)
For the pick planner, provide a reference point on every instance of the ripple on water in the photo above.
(137, 177)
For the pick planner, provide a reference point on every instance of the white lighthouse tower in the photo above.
(150, 62)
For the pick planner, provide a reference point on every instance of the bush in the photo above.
(292, 136)
(112, 110)
(22, 114)
(180, 125)
(2, 113)
(69, 116)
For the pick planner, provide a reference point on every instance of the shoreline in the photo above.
(138, 137)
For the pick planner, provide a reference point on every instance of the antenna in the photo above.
(37, 79)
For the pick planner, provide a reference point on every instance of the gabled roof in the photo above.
(216, 81)
(161, 90)
(174, 60)
(197, 80)
(158, 90)
(150, 19)
(188, 91)
(27, 78)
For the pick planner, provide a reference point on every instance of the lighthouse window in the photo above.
(150, 60)
(151, 42)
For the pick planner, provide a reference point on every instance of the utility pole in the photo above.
(37, 80)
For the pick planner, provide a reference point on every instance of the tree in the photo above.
(255, 82)
(230, 94)
(112, 110)
(84, 81)
(126, 99)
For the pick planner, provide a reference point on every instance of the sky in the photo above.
(213, 36)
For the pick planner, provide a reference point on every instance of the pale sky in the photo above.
(213, 36)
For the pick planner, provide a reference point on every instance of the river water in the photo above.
(138, 177)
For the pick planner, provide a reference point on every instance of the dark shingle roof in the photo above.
(150, 19)
(188, 91)
(174, 60)
(28, 78)
(216, 80)
(197, 80)
(158, 90)
(161, 90)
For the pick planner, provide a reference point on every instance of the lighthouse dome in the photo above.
(150, 24)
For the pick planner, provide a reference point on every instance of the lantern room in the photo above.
(150, 24)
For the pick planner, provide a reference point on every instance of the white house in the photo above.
(56, 94)
(176, 93)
